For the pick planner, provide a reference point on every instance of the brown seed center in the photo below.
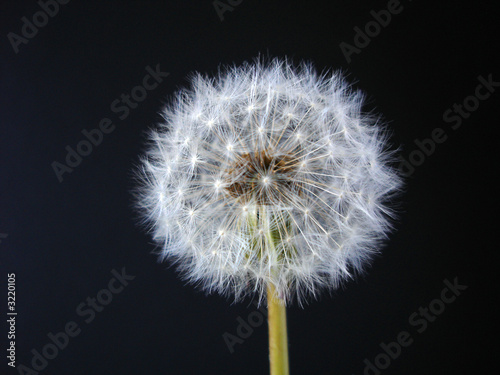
(264, 177)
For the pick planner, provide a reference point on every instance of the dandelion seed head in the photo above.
(268, 173)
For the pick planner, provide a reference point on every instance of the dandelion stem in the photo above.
(278, 341)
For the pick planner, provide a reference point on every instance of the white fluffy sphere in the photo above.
(268, 174)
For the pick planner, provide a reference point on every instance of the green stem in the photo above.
(278, 342)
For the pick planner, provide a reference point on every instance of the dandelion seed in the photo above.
(291, 183)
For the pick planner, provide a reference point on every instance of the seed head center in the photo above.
(262, 176)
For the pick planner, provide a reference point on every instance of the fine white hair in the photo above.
(268, 173)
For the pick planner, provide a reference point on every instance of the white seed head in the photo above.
(268, 174)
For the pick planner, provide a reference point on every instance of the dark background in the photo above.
(63, 239)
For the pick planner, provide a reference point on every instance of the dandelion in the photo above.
(268, 180)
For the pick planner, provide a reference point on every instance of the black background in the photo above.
(62, 239)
